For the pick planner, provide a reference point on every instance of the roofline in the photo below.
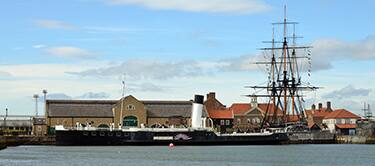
(52, 101)
(166, 101)
(80, 116)
(82, 101)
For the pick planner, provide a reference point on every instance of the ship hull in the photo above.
(139, 138)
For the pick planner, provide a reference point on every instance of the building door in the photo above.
(130, 121)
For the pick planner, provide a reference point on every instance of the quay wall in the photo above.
(26, 140)
(312, 138)
(349, 139)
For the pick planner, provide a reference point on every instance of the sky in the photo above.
(171, 50)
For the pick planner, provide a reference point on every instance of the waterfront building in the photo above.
(222, 117)
(15, 126)
(315, 116)
(248, 116)
(341, 121)
(212, 103)
(95, 113)
(126, 112)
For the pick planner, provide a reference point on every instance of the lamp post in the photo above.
(36, 96)
(5, 118)
(45, 101)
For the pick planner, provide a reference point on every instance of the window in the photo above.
(130, 107)
(248, 121)
(93, 133)
(130, 121)
(227, 122)
(347, 121)
(221, 122)
(238, 121)
(256, 120)
(103, 126)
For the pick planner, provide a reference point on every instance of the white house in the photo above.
(341, 121)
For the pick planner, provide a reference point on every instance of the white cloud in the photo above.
(211, 6)
(241, 63)
(54, 24)
(55, 96)
(93, 95)
(49, 71)
(39, 46)
(347, 92)
(147, 69)
(325, 51)
(146, 87)
(5, 74)
(70, 52)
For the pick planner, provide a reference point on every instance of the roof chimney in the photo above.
(320, 106)
(313, 106)
(329, 106)
(211, 95)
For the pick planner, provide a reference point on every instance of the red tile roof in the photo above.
(220, 114)
(271, 109)
(242, 108)
(317, 113)
(342, 114)
(346, 126)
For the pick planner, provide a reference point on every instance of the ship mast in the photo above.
(285, 84)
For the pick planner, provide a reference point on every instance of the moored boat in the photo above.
(197, 134)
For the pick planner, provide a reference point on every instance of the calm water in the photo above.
(287, 155)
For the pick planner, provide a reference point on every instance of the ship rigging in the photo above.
(285, 87)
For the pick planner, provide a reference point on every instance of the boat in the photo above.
(197, 134)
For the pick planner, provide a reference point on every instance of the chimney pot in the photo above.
(313, 107)
(320, 106)
(329, 105)
(211, 95)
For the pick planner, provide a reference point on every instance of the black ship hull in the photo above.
(138, 138)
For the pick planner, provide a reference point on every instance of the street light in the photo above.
(36, 96)
(45, 101)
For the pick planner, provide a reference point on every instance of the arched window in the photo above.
(103, 126)
(130, 107)
(130, 121)
(248, 121)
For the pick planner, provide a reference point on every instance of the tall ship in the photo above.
(287, 64)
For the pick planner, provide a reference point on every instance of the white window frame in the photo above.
(130, 107)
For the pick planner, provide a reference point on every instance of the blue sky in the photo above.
(81, 48)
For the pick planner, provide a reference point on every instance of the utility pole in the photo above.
(36, 96)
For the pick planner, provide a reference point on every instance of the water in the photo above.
(283, 155)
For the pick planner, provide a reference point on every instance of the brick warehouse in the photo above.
(103, 113)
